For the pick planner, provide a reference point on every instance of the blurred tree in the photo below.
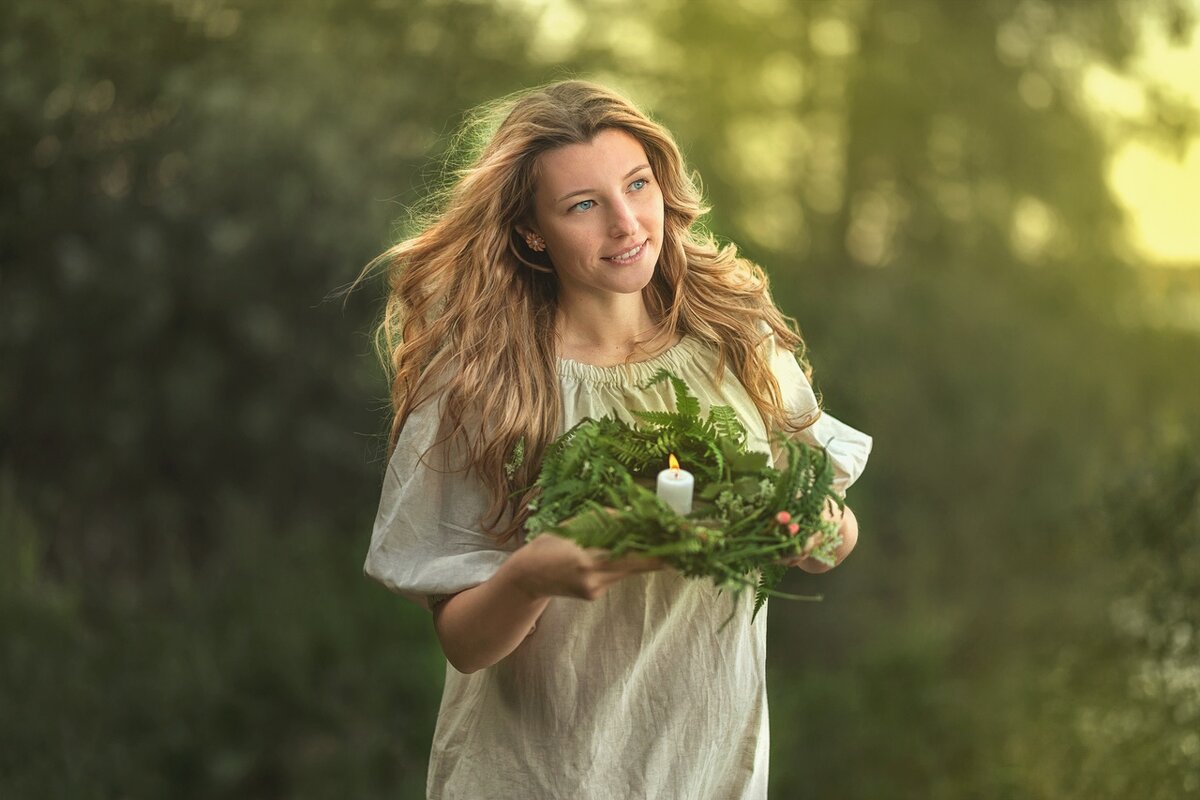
(1129, 694)
(184, 185)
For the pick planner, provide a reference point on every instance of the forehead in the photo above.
(609, 155)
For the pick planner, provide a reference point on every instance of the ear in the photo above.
(533, 240)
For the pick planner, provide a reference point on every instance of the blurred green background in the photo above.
(977, 211)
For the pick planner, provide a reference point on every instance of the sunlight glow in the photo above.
(1161, 196)
(1160, 193)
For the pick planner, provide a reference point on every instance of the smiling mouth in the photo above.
(629, 256)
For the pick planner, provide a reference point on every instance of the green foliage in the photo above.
(1142, 710)
(276, 671)
(595, 487)
(516, 459)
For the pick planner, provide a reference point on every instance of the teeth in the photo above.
(628, 255)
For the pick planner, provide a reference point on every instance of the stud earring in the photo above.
(535, 242)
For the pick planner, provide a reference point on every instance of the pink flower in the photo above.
(783, 518)
(794, 528)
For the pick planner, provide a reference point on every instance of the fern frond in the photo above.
(594, 487)
(725, 423)
(686, 404)
(662, 419)
(768, 578)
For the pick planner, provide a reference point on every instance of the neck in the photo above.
(604, 329)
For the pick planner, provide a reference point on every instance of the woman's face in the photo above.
(595, 202)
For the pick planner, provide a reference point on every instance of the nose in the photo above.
(623, 221)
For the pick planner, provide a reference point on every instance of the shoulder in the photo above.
(429, 434)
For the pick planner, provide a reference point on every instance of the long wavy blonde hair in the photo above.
(471, 310)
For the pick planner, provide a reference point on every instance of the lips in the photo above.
(632, 254)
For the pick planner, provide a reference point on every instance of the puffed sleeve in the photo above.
(848, 447)
(427, 542)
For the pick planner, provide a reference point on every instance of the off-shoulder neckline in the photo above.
(673, 357)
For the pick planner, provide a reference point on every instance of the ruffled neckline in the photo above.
(673, 358)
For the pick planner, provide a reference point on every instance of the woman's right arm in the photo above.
(481, 625)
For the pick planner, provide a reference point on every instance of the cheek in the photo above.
(656, 225)
(658, 208)
(578, 240)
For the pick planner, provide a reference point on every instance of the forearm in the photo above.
(849, 533)
(483, 624)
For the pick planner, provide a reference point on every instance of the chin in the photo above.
(635, 283)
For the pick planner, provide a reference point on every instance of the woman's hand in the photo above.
(847, 527)
(481, 625)
(551, 566)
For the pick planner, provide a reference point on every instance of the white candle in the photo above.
(675, 487)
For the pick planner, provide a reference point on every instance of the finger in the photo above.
(832, 511)
(644, 564)
(629, 563)
(811, 544)
(601, 560)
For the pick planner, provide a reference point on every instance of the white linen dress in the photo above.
(639, 694)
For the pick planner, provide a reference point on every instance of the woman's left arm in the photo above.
(848, 528)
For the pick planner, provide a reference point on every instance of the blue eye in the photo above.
(636, 186)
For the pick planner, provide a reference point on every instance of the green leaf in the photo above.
(686, 404)
(660, 418)
(768, 578)
(595, 487)
(724, 420)
(749, 461)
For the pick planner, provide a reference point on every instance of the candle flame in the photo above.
(674, 462)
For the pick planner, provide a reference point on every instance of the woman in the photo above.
(562, 269)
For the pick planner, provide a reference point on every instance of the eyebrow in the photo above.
(587, 191)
